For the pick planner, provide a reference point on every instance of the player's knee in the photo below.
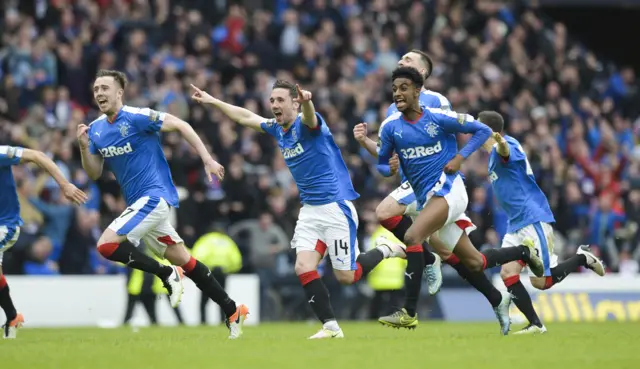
(442, 252)
(506, 273)
(538, 283)
(344, 277)
(382, 212)
(474, 264)
(304, 266)
(177, 254)
(412, 238)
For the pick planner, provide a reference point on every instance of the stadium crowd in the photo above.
(575, 114)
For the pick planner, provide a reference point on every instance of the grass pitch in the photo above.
(367, 345)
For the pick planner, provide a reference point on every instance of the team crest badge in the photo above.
(462, 118)
(431, 129)
(124, 129)
(294, 134)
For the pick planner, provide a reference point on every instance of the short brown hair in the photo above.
(492, 119)
(118, 76)
(281, 83)
(426, 59)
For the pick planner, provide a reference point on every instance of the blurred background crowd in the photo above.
(575, 114)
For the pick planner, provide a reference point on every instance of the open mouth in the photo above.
(102, 102)
(400, 102)
(278, 114)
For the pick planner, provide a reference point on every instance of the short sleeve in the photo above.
(147, 120)
(270, 126)
(10, 155)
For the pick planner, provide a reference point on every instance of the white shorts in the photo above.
(542, 236)
(148, 220)
(330, 228)
(404, 195)
(454, 191)
(8, 237)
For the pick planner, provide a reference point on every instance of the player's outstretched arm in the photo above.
(241, 115)
(173, 123)
(92, 163)
(70, 191)
(309, 117)
(462, 123)
(360, 134)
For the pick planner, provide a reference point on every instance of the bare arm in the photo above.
(360, 134)
(173, 123)
(69, 190)
(240, 115)
(45, 163)
(91, 163)
(309, 117)
(503, 146)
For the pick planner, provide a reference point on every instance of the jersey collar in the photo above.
(413, 121)
(111, 121)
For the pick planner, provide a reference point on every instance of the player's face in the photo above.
(405, 94)
(412, 60)
(282, 106)
(107, 94)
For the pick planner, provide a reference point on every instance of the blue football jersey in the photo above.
(516, 189)
(314, 160)
(428, 99)
(426, 145)
(10, 209)
(131, 148)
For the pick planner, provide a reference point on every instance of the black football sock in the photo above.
(398, 225)
(366, 262)
(522, 300)
(413, 277)
(495, 257)
(204, 280)
(128, 254)
(5, 300)
(429, 257)
(562, 270)
(480, 282)
(317, 295)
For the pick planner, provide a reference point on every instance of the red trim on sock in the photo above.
(510, 281)
(415, 248)
(522, 263)
(358, 273)
(484, 262)
(321, 247)
(190, 265)
(391, 223)
(452, 260)
(308, 277)
(548, 283)
(3, 282)
(107, 249)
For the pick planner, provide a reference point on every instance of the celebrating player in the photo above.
(328, 221)
(127, 139)
(396, 211)
(425, 140)
(10, 221)
(530, 219)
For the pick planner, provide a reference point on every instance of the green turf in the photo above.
(367, 345)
